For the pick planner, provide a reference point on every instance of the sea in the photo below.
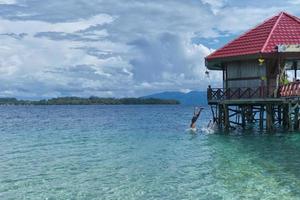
(139, 152)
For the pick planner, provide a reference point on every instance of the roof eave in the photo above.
(217, 63)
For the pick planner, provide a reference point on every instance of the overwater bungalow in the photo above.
(260, 82)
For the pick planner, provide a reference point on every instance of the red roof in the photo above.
(280, 29)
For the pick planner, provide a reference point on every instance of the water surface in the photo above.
(138, 152)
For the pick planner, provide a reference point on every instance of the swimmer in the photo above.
(197, 112)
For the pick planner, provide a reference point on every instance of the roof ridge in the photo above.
(245, 33)
(292, 16)
(271, 32)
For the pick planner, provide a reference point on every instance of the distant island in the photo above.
(190, 98)
(89, 101)
(164, 98)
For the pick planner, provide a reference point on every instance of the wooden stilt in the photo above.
(291, 127)
(243, 117)
(269, 113)
(226, 117)
(213, 113)
(285, 114)
(296, 118)
(261, 118)
(220, 120)
(249, 114)
(269, 117)
(272, 115)
(279, 113)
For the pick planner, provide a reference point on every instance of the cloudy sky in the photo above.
(118, 48)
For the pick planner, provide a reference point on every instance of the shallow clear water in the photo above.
(138, 152)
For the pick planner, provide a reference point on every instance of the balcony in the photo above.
(220, 94)
(288, 91)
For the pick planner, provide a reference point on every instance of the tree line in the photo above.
(89, 101)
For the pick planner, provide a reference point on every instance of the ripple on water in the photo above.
(138, 152)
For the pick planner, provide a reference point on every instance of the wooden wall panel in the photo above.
(245, 74)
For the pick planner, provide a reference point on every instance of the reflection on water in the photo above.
(139, 152)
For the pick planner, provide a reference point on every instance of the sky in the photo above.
(118, 48)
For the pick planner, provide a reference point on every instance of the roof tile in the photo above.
(264, 38)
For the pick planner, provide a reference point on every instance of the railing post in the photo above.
(228, 93)
(249, 93)
(209, 93)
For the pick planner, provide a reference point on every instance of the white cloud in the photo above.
(34, 26)
(295, 2)
(8, 2)
(229, 22)
(43, 67)
(216, 5)
(116, 48)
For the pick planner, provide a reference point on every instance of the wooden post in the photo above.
(220, 116)
(213, 113)
(291, 127)
(261, 118)
(243, 117)
(296, 116)
(295, 70)
(273, 115)
(237, 117)
(226, 117)
(285, 116)
(279, 115)
(249, 114)
(269, 117)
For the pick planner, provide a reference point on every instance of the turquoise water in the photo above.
(138, 152)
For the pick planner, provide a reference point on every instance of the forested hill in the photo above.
(89, 101)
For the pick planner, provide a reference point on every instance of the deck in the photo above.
(239, 106)
(251, 101)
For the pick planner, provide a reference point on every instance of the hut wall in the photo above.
(244, 74)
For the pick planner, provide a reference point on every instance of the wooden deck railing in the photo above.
(290, 90)
(217, 94)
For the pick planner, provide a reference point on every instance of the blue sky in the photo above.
(118, 48)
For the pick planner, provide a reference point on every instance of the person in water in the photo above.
(211, 124)
(197, 113)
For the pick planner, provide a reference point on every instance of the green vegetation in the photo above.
(88, 101)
